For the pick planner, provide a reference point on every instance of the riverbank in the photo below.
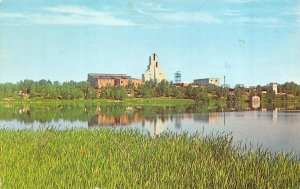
(130, 101)
(127, 159)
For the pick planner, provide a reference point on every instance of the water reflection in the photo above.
(274, 127)
(255, 105)
(277, 129)
(212, 118)
(275, 115)
(101, 119)
(154, 127)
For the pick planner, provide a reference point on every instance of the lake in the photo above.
(277, 128)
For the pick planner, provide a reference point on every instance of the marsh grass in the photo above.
(127, 159)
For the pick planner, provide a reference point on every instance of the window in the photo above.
(156, 64)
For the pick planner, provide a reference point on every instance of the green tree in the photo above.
(200, 94)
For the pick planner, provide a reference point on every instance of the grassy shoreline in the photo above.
(129, 101)
(127, 159)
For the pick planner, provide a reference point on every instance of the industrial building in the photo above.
(103, 80)
(154, 70)
(206, 81)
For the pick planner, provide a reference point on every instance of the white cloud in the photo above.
(11, 15)
(189, 17)
(293, 13)
(242, 1)
(253, 20)
(154, 6)
(80, 15)
(233, 12)
(252, 1)
(71, 15)
(75, 10)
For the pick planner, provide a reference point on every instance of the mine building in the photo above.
(104, 80)
(154, 70)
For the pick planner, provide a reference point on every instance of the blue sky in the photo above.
(249, 41)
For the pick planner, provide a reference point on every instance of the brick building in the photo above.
(104, 80)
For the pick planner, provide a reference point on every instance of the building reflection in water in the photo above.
(152, 124)
(275, 115)
(156, 122)
(100, 119)
(255, 105)
(154, 127)
(212, 118)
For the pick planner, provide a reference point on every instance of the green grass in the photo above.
(128, 159)
(159, 101)
(130, 101)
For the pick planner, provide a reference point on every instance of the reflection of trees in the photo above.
(47, 113)
(119, 114)
(178, 122)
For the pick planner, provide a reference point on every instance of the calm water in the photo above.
(278, 130)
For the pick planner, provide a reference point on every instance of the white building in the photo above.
(154, 71)
(274, 87)
(206, 81)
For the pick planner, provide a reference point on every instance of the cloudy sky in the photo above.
(249, 41)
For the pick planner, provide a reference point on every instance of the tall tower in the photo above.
(154, 71)
(177, 77)
(274, 87)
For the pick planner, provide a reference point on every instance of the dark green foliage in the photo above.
(200, 94)
(45, 89)
(113, 92)
(289, 88)
(179, 92)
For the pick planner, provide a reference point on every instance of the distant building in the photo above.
(225, 86)
(255, 102)
(255, 98)
(253, 87)
(154, 71)
(274, 87)
(240, 86)
(185, 85)
(103, 80)
(206, 81)
(181, 84)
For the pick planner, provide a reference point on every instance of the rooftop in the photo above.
(96, 75)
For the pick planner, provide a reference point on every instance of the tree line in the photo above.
(46, 89)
